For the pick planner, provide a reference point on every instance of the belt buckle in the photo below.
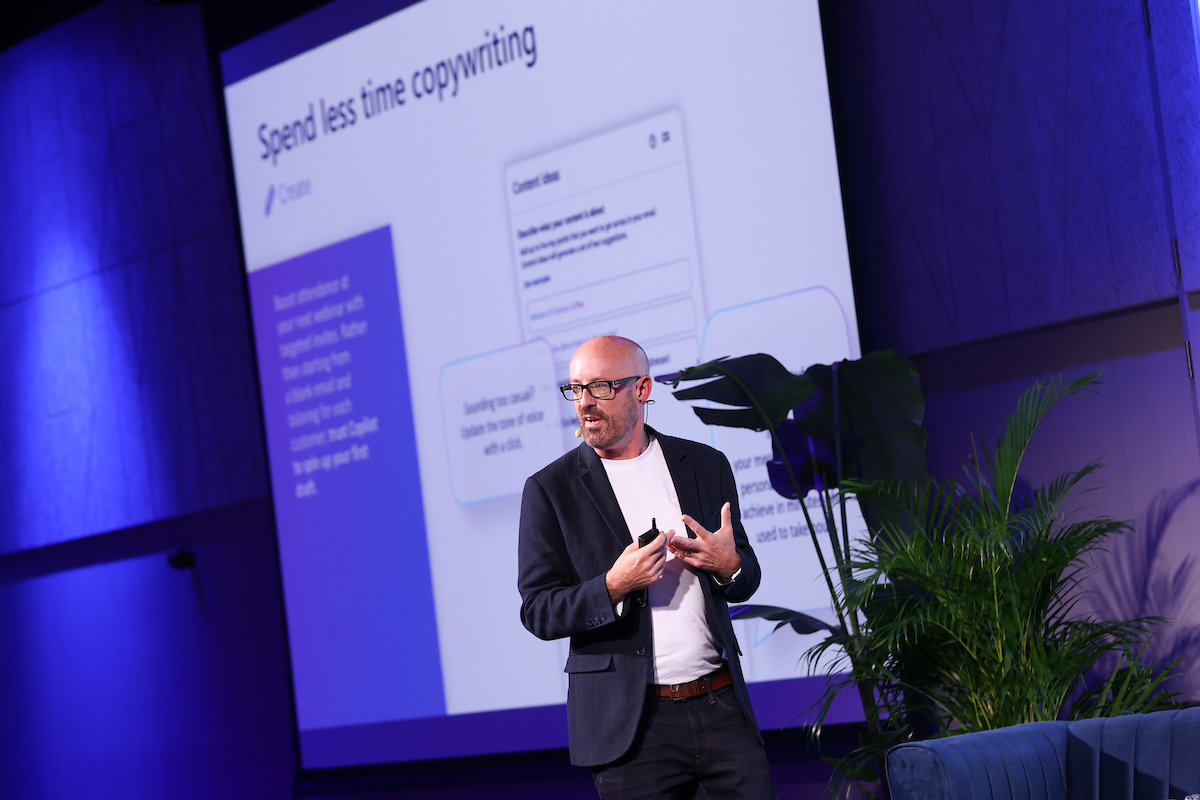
(682, 691)
(685, 690)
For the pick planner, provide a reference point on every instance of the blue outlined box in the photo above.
(500, 414)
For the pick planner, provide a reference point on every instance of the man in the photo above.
(657, 705)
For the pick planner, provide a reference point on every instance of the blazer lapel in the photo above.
(595, 483)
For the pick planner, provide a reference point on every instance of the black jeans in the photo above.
(682, 745)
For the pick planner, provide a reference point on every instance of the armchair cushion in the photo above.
(1132, 757)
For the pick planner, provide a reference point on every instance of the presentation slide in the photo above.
(437, 208)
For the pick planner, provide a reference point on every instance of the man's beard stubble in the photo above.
(598, 437)
(608, 434)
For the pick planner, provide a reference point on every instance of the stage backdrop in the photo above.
(134, 680)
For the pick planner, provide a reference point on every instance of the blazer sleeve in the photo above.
(746, 583)
(555, 600)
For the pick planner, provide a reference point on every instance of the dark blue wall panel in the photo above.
(134, 680)
(1174, 46)
(1000, 164)
(129, 381)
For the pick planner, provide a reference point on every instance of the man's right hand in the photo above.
(636, 568)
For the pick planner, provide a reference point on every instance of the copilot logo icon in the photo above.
(270, 199)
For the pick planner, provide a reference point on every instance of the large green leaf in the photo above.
(878, 419)
(879, 414)
(758, 384)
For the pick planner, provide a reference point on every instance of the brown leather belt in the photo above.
(679, 691)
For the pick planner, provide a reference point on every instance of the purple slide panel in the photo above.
(346, 485)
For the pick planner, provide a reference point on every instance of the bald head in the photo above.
(613, 426)
(624, 355)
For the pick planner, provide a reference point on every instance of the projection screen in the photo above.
(437, 205)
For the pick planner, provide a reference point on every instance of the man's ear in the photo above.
(643, 386)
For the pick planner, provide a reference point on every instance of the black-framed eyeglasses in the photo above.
(597, 389)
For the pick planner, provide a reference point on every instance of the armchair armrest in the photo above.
(1024, 761)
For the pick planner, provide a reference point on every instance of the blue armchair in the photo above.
(1134, 757)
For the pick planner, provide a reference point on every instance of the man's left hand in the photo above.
(711, 551)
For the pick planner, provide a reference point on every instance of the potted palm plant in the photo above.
(958, 611)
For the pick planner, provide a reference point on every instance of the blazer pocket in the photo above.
(588, 662)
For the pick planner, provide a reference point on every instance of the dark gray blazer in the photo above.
(572, 531)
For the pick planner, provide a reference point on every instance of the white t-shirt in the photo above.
(683, 647)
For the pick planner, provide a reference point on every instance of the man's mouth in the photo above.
(591, 420)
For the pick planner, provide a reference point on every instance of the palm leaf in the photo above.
(998, 469)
